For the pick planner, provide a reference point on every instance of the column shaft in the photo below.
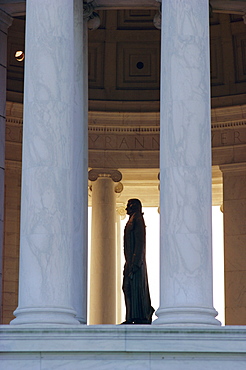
(119, 265)
(234, 209)
(5, 22)
(103, 252)
(80, 165)
(185, 166)
(53, 147)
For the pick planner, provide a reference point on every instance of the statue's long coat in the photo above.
(135, 279)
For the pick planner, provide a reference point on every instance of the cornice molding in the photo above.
(102, 122)
(140, 129)
(123, 129)
(228, 114)
(234, 167)
(16, 121)
(13, 164)
(232, 125)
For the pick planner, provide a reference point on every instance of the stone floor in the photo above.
(122, 347)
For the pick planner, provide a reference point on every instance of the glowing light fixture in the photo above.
(19, 55)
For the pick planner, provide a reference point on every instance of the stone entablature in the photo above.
(228, 134)
(115, 136)
(131, 139)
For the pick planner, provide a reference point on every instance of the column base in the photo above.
(195, 316)
(43, 315)
(81, 320)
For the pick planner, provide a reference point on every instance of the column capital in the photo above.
(233, 167)
(121, 211)
(94, 174)
(118, 188)
(93, 19)
(157, 17)
(88, 8)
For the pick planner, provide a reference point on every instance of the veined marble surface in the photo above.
(53, 257)
(185, 165)
(122, 347)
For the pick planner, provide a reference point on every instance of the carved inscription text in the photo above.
(127, 142)
(228, 137)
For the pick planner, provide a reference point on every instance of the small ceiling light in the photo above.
(19, 55)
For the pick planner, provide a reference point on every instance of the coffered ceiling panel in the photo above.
(217, 67)
(240, 56)
(136, 19)
(96, 65)
(138, 65)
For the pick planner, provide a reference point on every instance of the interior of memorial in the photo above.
(124, 128)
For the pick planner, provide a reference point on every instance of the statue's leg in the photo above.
(127, 294)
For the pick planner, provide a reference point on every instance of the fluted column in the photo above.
(54, 166)
(103, 272)
(5, 22)
(185, 167)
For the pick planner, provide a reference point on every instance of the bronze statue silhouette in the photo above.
(135, 279)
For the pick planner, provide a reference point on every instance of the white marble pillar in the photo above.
(120, 215)
(185, 167)
(103, 272)
(80, 165)
(54, 145)
(5, 22)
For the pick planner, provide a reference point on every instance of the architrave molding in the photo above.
(227, 114)
(13, 164)
(232, 125)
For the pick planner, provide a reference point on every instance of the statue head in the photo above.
(133, 205)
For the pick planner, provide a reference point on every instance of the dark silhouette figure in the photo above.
(135, 278)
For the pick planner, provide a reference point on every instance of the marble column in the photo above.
(103, 273)
(120, 215)
(54, 165)
(80, 165)
(185, 167)
(234, 210)
(5, 22)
